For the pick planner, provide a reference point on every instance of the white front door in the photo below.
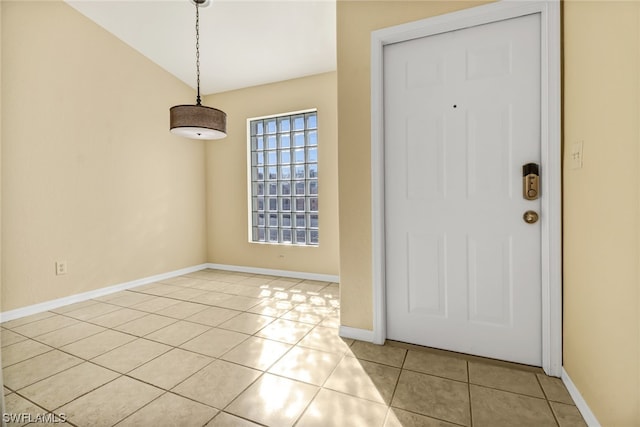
(461, 118)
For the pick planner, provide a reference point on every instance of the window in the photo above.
(284, 178)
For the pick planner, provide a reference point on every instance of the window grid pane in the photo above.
(284, 175)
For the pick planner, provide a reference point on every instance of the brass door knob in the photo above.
(530, 217)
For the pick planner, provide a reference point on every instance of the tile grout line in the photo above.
(544, 393)
(395, 387)
(97, 364)
(333, 370)
(142, 407)
(72, 400)
(391, 407)
(306, 408)
(34, 356)
(136, 337)
(44, 378)
(3, 324)
(241, 393)
(344, 356)
(469, 392)
(163, 394)
(431, 374)
(84, 394)
(508, 391)
(56, 347)
(120, 374)
(241, 417)
(430, 417)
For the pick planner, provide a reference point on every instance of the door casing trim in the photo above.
(551, 156)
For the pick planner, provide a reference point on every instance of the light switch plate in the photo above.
(575, 156)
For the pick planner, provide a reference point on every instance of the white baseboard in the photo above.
(581, 404)
(60, 302)
(356, 334)
(272, 272)
(50, 305)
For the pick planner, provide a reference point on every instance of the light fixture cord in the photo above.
(198, 52)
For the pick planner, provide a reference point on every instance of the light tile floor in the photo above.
(217, 348)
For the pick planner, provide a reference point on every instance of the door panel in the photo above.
(427, 279)
(489, 153)
(490, 279)
(462, 115)
(425, 159)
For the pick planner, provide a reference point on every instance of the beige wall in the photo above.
(227, 201)
(601, 207)
(90, 172)
(355, 21)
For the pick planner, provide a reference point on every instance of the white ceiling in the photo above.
(242, 42)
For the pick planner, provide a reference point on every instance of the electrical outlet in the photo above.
(61, 268)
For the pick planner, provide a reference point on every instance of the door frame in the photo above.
(551, 156)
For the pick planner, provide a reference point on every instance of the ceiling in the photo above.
(242, 42)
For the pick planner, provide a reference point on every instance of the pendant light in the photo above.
(198, 121)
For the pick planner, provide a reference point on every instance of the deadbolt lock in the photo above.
(530, 217)
(530, 181)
